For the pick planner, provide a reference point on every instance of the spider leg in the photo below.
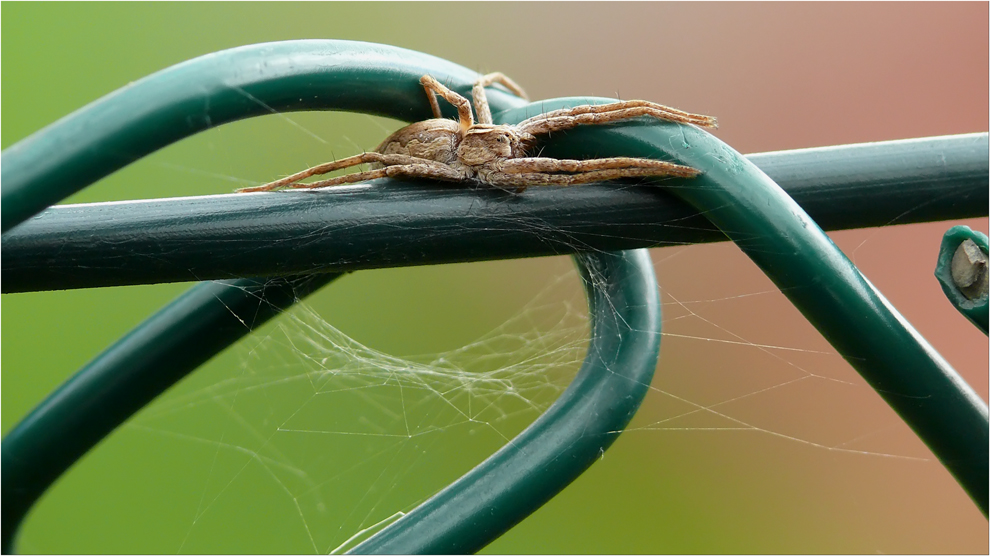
(327, 167)
(555, 165)
(566, 118)
(434, 88)
(523, 179)
(420, 169)
(481, 98)
(703, 120)
(341, 180)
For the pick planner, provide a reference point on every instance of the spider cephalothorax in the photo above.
(483, 144)
(463, 150)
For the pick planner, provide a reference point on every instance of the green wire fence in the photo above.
(79, 246)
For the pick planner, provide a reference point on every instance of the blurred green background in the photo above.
(787, 462)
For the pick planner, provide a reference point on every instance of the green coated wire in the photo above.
(963, 276)
(152, 241)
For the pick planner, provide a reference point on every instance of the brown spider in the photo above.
(462, 150)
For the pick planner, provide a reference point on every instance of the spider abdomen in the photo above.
(430, 139)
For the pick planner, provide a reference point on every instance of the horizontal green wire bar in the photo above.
(390, 223)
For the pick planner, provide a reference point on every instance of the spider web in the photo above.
(348, 437)
(317, 411)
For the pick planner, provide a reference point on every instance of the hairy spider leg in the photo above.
(423, 168)
(566, 118)
(481, 98)
(667, 111)
(555, 165)
(434, 88)
(521, 180)
(327, 167)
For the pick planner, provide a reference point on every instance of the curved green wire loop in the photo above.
(211, 90)
(974, 309)
(168, 345)
(793, 251)
(571, 435)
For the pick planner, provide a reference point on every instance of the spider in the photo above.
(462, 150)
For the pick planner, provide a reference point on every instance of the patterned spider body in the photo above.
(462, 150)
(475, 152)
